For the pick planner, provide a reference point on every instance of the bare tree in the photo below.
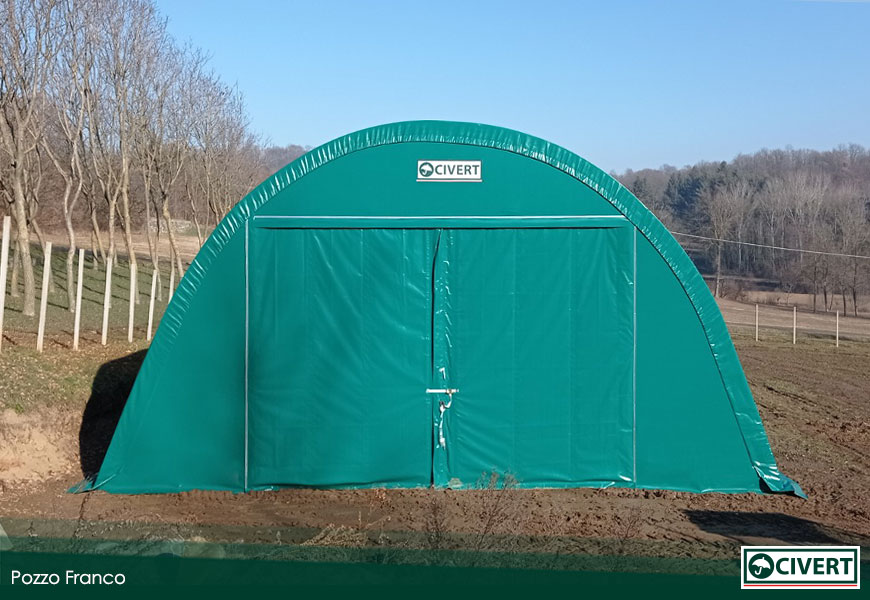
(30, 37)
(808, 192)
(850, 223)
(172, 124)
(129, 33)
(225, 148)
(148, 105)
(69, 89)
(726, 207)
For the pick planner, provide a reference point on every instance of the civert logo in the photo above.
(761, 565)
(426, 169)
(457, 171)
(809, 567)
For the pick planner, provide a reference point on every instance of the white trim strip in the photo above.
(431, 217)
(247, 316)
(450, 180)
(634, 364)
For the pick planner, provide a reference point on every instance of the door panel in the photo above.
(339, 340)
(347, 329)
(538, 334)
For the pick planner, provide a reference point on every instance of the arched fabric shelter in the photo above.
(417, 303)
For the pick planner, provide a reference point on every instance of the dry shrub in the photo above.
(627, 528)
(377, 511)
(338, 536)
(500, 511)
(436, 521)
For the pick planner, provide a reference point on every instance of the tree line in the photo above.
(817, 201)
(109, 125)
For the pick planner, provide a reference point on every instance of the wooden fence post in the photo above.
(78, 318)
(4, 263)
(107, 297)
(756, 322)
(794, 325)
(151, 304)
(131, 315)
(43, 301)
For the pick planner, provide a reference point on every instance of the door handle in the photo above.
(442, 407)
(448, 391)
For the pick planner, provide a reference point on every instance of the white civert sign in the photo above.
(466, 171)
(812, 567)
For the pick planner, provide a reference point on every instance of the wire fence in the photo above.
(116, 302)
(99, 302)
(767, 322)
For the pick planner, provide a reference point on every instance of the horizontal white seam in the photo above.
(434, 217)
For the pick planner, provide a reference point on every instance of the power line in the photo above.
(711, 239)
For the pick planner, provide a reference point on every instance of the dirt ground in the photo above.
(814, 400)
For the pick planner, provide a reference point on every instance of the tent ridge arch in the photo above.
(478, 135)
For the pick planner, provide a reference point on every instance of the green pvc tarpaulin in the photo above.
(420, 303)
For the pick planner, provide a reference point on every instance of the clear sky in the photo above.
(625, 84)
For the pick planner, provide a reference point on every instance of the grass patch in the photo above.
(61, 377)
(57, 378)
(59, 319)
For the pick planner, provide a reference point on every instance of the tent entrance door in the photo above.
(412, 352)
(338, 345)
(533, 331)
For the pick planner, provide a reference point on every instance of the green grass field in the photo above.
(58, 317)
(59, 376)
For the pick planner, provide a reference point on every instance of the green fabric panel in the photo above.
(382, 181)
(539, 336)
(687, 434)
(339, 343)
(183, 425)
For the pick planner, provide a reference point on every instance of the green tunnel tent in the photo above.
(418, 303)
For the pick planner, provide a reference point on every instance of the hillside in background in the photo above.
(744, 213)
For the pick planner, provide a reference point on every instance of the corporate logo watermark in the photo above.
(811, 567)
(464, 171)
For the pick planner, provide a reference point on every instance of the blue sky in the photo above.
(625, 84)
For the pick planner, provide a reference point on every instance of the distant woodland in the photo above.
(110, 128)
(800, 199)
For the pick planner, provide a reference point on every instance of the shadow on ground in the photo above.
(109, 393)
(745, 526)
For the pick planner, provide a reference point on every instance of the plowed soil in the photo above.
(814, 400)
